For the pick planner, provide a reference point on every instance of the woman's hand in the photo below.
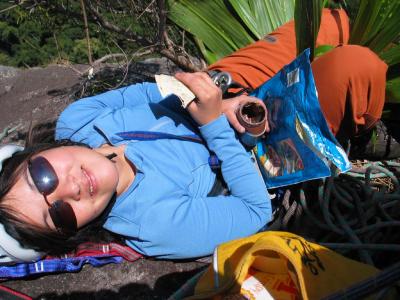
(208, 103)
(230, 106)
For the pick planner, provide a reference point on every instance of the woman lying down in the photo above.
(155, 194)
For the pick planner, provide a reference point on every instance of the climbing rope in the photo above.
(356, 214)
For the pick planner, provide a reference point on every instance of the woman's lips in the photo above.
(92, 186)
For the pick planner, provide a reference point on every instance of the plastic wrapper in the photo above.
(299, 146)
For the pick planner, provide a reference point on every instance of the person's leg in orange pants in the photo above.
(350, 79)
(351, 83)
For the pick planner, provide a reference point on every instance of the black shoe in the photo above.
(378, 144)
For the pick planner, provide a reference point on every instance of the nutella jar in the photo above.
(253, 117)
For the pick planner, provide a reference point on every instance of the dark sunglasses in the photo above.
(46, 181)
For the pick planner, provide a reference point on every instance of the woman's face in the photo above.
(87, 181)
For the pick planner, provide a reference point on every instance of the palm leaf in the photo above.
(210, 22)
(393, 90)
(391, 56)
(376, 24)
(366, 18)
(263, 16)
(208, 55)
(307, 17)
(322, 50)
(388, 33)
(386, 12)
(217, 30)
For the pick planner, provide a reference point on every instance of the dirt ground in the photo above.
(39, 95)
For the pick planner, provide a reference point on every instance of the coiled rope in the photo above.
(356, 214)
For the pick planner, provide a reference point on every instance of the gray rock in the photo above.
(39, 95)
(7, 72)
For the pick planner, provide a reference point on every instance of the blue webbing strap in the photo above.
(213, 160)
(70, 264)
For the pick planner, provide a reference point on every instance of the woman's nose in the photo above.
(68, 188)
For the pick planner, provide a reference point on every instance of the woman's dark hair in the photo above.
(46, 240)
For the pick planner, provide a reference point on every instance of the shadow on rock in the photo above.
(164, 287)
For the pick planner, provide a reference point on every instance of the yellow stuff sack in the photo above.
(278, 265)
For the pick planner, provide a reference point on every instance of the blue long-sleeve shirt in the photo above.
(166, 212)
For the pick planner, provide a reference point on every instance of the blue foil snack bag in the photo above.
(299, 146)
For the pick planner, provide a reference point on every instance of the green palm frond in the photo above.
(392, 55)
(321, 50)
(376, 24)
(263, 16)
(307, 18)
(211, 23)
(218, 32)
(393, 90)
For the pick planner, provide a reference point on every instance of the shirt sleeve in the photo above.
(195, 226)
(83, 112)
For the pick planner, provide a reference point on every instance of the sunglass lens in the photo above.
(63, 216)
(43, 175)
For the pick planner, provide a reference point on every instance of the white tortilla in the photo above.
(170, 85)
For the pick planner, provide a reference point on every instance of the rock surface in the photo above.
(40, 94)
(142, 279)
